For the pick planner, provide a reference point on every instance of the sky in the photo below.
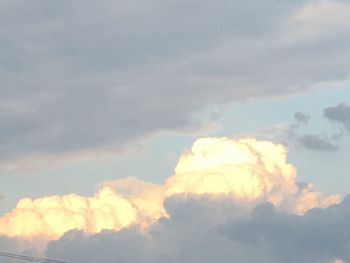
(175, 131)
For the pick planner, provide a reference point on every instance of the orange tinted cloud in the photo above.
(247, 170)
(54, 215)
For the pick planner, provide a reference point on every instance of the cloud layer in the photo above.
(202, 229)
(77, 77)
(242, 170)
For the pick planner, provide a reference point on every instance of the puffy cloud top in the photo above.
(52, 216)
(242, 170)
(247, 169)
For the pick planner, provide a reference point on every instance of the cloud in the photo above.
(300, 120)
(202, 229)
(302, 117)
(339, 113)
(84, 78)
(316, 143)
(311, 141)
(243, 170)
(317, 236)
(309, 22)
(21, 246)
(50, 217)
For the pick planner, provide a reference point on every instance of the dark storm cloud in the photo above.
(81, 76)
(207, 230)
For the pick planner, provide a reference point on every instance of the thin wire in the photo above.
(27, 258)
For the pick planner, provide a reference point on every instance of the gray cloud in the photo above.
(16, 246)
(339, 113)
(300, 120)
(77, 76)
(316, 143)
(319, 236)
(311, 141)
(302, 117)
(201, 229)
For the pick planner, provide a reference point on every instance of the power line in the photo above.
(27, 258)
